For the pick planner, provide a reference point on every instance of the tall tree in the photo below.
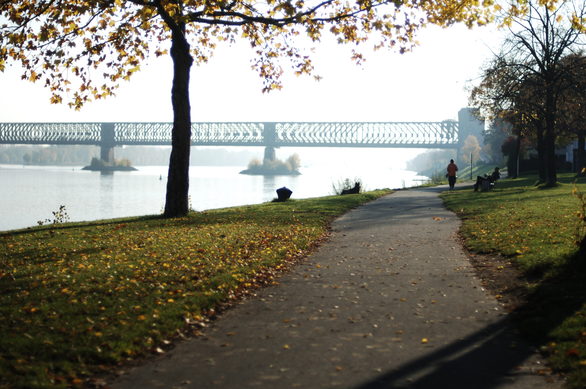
(572, 106)
(81, 49)
(540, 37)
(511, 99)
(526, 80)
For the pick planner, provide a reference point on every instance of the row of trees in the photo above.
(55, 155)
(535, 88)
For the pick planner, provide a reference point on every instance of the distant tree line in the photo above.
(138, 155)
(47, 155)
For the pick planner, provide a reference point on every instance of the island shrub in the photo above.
(276, 167)
(98, 164)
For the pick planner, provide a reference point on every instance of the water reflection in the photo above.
(106, 199)
(268, 186)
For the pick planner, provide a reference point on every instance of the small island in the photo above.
(99, 165)
(274, 167)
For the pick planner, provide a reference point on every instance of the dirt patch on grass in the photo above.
(501, 278)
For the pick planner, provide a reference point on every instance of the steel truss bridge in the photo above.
(267, 134)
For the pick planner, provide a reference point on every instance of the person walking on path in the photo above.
(390, 300)
(452, 169)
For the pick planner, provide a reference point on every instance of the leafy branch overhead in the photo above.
(81, 50)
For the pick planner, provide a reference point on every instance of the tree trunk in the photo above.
(550, 137)
(513, 159)
(581, 153)
(550, 159)
(176, 203)
(518, 156)
(541, 161)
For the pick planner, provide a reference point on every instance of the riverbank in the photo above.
(32, 193)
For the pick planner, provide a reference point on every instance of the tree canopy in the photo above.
(530, 80)
(81, 50)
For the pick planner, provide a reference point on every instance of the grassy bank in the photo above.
(465, 173)
(536, 230)
(78, 299)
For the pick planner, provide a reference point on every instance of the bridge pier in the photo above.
(270, 155)
(269, 134)
(107, 142)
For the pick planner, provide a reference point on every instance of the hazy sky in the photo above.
(427, 84)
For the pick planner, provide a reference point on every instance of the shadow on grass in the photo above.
(556, 298)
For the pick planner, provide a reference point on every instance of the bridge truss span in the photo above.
(50, 133)
(269, 134)
(202, 134)
(228, 134)
(367, 134)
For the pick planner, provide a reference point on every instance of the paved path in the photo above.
(390, 301)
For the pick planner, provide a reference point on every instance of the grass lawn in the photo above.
(536, 229)
(79, 298)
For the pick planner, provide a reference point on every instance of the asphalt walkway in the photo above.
(390, 301)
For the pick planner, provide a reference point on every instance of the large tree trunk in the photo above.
(176, 203)
(518, 155)
(541, 161)
(549, 138)
(550, 158)
(581, 153)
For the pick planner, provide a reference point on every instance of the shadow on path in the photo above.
(475, 362)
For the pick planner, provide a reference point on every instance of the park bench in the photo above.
(488, 181)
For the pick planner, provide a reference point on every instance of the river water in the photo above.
(29, 194)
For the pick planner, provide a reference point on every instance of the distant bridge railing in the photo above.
(268, 134)
(280, 134)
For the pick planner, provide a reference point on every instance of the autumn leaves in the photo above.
(77, 299)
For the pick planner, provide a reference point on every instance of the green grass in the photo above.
(479, 169)
(537, 228)
(79, 298)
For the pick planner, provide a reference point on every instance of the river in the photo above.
(29, 194)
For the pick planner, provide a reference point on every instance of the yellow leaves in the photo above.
(33, 76)
(56, 99)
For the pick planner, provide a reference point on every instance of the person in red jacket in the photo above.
(452, 169)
